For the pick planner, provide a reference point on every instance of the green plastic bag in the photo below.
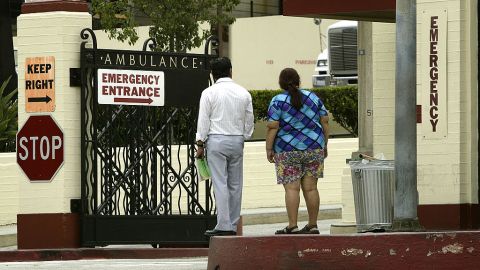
(203, 169)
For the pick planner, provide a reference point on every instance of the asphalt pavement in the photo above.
(199, 263)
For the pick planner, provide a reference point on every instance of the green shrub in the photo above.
(341, 102)
(261, 100)
(8, 119)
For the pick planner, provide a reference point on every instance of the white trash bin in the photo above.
(373, 191)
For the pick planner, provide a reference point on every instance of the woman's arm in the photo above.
(272, 129)
(326, 132)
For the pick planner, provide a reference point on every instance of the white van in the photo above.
(321, 76)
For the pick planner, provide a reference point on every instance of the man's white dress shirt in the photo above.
(225, 109)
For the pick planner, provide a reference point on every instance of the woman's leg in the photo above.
(312, 198)
(292, 201)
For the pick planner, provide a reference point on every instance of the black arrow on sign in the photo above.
(45, 99)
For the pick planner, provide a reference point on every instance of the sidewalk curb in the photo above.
(267, 217)
(100, 253)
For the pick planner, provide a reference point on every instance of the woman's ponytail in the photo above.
(289, 81)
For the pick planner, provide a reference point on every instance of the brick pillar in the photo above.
(52, 28)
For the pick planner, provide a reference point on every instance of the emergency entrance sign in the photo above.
(131, 87)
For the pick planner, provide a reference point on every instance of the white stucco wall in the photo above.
(447, 168)
(60, 38)
(261, 47)
(9, 188)
(260, 188)
(53, 34)
(383, 88)
(445, 165)
(447, 171)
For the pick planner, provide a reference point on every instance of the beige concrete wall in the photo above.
(53, 34)
(260, 188)
(365, 87)
(382, 74)
(469, 161)
(244, 66)
(448, 167)
(261, 47)
(440, 178)
(9, 186)
(57, 34)
(383, 41)
(255, 39)
(446, 171)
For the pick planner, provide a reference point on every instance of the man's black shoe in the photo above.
(219, 233)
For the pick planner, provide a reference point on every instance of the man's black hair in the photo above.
(220, 67)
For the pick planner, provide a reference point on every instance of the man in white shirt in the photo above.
(225, 120)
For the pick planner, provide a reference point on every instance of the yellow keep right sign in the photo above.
(40, 84)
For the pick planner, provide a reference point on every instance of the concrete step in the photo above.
(8, 235)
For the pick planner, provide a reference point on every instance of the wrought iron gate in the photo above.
(139, 182)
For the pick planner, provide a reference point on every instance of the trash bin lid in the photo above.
(373, 164)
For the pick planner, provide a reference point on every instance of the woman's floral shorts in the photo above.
(294, 165)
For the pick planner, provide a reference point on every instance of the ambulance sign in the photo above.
(131, 87)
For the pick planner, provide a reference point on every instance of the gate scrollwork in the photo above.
(138, 163)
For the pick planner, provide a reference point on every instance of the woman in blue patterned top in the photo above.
(297, 137)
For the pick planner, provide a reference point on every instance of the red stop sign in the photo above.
(40, 148)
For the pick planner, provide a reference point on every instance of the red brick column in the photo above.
(57, 5)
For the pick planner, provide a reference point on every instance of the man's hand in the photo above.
(200, 152)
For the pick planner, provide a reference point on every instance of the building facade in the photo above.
(447, 98)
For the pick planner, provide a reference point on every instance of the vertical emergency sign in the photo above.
(434, 74)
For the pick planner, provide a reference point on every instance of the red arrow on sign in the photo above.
(133, 100)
